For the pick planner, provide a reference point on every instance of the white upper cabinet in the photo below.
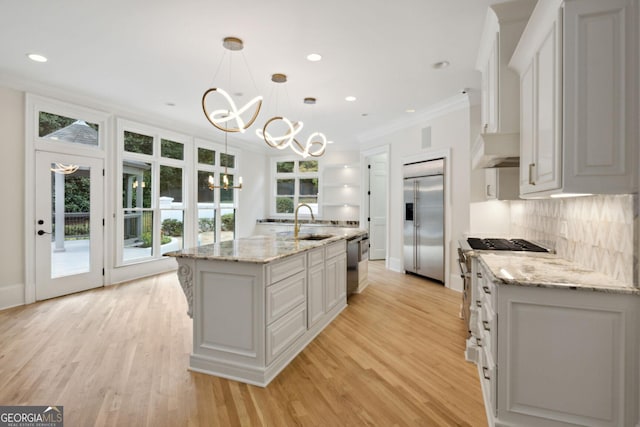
(500, 100)
(578, 66)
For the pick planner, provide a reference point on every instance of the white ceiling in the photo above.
(141, 55)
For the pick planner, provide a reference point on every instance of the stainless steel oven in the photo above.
(357, 262)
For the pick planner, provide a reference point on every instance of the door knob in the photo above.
(41, 232)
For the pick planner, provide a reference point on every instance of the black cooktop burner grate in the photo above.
(504, 245)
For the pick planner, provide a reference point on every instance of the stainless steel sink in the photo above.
(311, 237)
(315, 237)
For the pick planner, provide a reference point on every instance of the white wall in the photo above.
(254, 197)
(12, 212)
(449, 131)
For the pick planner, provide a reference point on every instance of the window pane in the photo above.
(204, 194)
(309, 186)
(206, 226)
(137, 143)
(308, 166)
(286, 187)
(136, 184)
(226, 196)
(228, 225)
(65, 129)
(138, 234)
(172, 230)
(206, 157)
(171, 149)
(284, 167)
(170, 186)
(284, 204)
(228, 160)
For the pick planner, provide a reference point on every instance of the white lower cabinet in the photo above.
(556, 357)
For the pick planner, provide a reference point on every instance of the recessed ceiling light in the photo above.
(170, 104)
(365, 114)
(350, 98)
(440, 65)
(314, 57)
(37, 57)
(410, 110)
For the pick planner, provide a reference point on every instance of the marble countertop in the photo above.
(266, 248)
(548, 271)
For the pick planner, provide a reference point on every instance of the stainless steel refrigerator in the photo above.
(424, 218)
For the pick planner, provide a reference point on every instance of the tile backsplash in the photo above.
(597, 232)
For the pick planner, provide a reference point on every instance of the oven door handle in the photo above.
(462, 263)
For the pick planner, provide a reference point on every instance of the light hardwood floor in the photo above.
(118, 356)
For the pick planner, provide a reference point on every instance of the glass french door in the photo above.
(69, 224)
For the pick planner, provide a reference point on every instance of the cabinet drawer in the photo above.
(316, 256)
(279, 270)
(284, 331)
(284, 295)
(336, 248)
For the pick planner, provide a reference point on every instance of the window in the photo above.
(153, 198)
(216, 203)
(295, 181)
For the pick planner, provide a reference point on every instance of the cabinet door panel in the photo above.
(599, 61)
(527, 109)
(548, 142)
(315, 299)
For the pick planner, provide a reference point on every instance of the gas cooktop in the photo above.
(504, 245)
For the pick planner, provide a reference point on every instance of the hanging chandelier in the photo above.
(316, 143)
(229, 118)
(225, 177)
(279, 132)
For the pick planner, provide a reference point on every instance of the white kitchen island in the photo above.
(257, 302)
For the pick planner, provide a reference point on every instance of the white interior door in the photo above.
(378, 206)
(69, 224)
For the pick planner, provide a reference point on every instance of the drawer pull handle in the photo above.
(485, 373)
(486, 290)
(479, 275)
(485, 324)
(478, 304)
(479, 341)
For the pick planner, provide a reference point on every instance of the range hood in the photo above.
(494, 150)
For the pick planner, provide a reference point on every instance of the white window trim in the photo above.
(303, 213)
(156, 160)
(217, 170)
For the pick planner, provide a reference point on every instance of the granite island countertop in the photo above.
(548, 271)
(266, 248)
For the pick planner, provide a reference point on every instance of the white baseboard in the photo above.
(395, 264)
(11, 295)
(138, 271)
(455, 282)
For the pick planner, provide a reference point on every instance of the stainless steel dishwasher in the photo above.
(357, 262)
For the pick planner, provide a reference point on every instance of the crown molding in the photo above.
(446, 106)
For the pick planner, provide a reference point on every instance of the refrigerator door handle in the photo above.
(416, 224)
